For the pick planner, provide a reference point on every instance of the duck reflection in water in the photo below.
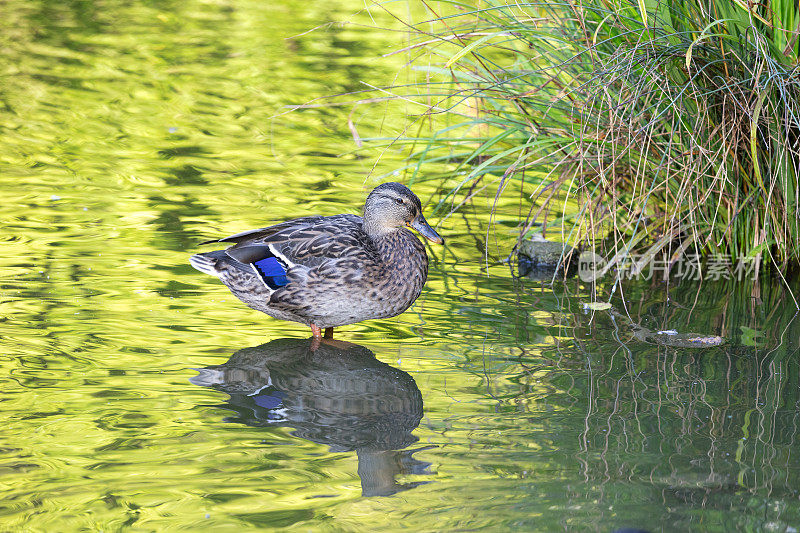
(331, 392)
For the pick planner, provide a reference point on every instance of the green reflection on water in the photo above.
(132, 131)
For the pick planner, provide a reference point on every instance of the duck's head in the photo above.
(391, 206)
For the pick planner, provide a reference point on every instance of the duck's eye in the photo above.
(399, 201)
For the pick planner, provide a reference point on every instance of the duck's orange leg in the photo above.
(315, 331)
(328, 333)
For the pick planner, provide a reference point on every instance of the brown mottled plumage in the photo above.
(338, 270)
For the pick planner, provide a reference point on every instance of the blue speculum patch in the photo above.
(272, 272)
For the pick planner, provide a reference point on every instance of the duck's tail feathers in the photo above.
(208, 377)
(207, 262)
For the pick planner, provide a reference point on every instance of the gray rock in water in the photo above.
(539, 258)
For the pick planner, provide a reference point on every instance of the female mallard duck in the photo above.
(330, 271)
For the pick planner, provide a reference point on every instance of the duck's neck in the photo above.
(402, 253)
(375, 229)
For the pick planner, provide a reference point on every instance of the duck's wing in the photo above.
(265, 233)
(308, 241)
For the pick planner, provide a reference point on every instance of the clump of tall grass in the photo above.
(635, 126)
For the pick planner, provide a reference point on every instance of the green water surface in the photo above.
(139, 394)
